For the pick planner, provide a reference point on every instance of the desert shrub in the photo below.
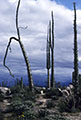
(50, 104)
(37, 90)
(70, 102)
(79, 104)
(30, 96)
(63, 106)
(54, 97)
(2, 96)
(18, 88)
(15, 89)
(66, 105)
(52, 92)
(29, 104)
(78, 99)
(55, 117)
(42, 113)
(17, 107)
(16, 98)
(1, 115)
(30, 114)
(24, 93)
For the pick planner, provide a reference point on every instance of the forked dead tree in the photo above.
(31, 85)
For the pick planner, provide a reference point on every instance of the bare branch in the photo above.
(23, 27)
(4, 61)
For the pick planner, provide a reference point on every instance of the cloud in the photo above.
(12, 1)
(36, 14)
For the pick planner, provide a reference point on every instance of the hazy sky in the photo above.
(35, 14)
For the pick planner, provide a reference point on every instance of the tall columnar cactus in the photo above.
(48, 53)
(75, 81)
(52, 52)
(50, 33)
(21, 83)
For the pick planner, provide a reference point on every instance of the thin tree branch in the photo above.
(18, 33)
(23, 27)
(4, 61)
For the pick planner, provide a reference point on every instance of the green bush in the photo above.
(63, 106)
(29, 96)
(17, 107)
(52, 92)
(24, 93)
(15, 89)
(30, 114)
(2, 96)
(42, 113)
(54, 97)
(66, 105)
(50, 104)
(1, 115)
(29, 104)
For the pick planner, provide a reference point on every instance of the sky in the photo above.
(69, 3)
(36, 15)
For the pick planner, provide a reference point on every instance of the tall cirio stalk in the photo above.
(31, 85)
(75, 52)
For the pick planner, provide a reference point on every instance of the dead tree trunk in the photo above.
(31, 85)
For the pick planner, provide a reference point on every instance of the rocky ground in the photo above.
(4, 109)
(7, 116)
(72, 116)
(41, 104)
(5, 104)
(69, 116)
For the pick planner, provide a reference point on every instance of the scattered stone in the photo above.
(5, 90)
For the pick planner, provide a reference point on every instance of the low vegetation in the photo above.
(24, 103)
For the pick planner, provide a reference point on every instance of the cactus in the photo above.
(50, 45)
(21, 83)
(3, 84)
(52, 53)
(48, 53)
